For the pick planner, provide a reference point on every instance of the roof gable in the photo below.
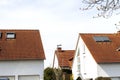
(104, 51)
(26, 45)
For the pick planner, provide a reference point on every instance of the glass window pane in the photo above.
(0, 35)
(101, 39)
(10, 35)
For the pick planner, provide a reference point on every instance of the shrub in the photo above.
(49, 74)
(102, 78)
(78, 78)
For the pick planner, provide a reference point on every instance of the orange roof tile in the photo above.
(26, 45)
(103, 52)
(64, 57)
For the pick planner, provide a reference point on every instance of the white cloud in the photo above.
(4, 2)
(7, 2)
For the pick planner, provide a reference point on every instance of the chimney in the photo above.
(118, 32)
(59, 48)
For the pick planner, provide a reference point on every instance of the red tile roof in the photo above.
(26, 46)
(64, 57)
(103, 52)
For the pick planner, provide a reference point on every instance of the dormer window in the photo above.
(10, 35)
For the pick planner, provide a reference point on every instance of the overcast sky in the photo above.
(59, 21)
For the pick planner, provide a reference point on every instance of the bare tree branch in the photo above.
(105, 7)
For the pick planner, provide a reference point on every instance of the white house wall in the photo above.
(16, 68)
(109, 70)
(74, 67)
(88, 64)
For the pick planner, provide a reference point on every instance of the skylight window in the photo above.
(101, 39)
(0, 35)
(118, 49)
(11, 35)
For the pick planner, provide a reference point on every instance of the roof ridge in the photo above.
(96, 33)
(19, 29)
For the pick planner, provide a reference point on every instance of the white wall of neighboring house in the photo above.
(75, 72)
(109, 70)
(88, 64)
(21, 70)
(55, 62)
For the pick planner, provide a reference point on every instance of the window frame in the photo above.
(101, 38)
(1, 35)
(10, 35)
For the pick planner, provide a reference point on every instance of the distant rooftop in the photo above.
(64, 57)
